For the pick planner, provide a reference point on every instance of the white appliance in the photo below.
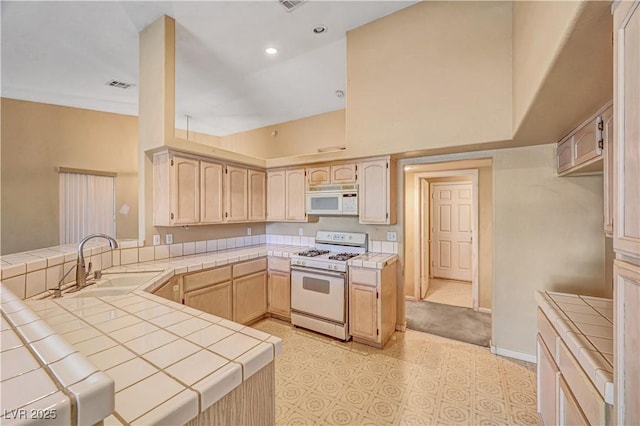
(334, 200)
(319, 283)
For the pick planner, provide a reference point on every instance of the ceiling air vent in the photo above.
(119, 84)
(289, 5)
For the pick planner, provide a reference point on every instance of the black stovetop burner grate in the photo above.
(342, 256)
(313, 253)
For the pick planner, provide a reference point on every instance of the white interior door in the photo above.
(451, 230)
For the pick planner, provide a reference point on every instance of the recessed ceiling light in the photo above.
(271, 50)
(319, 29)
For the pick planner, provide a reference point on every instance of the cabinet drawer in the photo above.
(250, 267)
(281, 264)
(548, 333)
(364, 276)
(205, 278)
(587, 396)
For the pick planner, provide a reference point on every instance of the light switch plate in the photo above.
(391, 236)
(168, 239)
(156, 240)
(248, 231)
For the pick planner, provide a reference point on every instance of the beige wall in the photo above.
(37, 138)
(441, 69)
(292, 138)
(548, 236)
(534, 50)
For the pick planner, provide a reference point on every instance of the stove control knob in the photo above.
(330, 266)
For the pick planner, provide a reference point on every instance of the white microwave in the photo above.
(332, 200)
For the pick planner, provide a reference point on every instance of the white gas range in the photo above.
(319, 282)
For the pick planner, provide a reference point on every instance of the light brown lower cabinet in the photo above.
(363, 312)
(569, 412)
(280, 293)
(548, 376)
(372, 304)
(215, 299)
(249, 297)
(170, 290)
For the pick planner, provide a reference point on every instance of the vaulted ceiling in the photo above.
(64, 52)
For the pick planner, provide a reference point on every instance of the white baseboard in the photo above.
(485, 310)
(513, 354)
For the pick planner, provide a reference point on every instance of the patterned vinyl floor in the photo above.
(418, 379)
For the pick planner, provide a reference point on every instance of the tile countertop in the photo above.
(585, 324)
(141, 341)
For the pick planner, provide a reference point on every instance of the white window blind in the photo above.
(87, 205)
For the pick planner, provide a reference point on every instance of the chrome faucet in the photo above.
(81, 273)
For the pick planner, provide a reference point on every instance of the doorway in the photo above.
(446, 258)
(448, 249)
(449, 221)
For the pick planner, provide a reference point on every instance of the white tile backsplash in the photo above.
(201, 247)
(175, 250)
(188, 248)
(212, 245)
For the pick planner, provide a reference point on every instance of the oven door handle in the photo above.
(319, 272)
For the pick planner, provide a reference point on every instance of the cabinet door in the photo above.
(280, 293)
(565, 155)
(363, 312)
(626, 281)
(626, 226)
(319, 175)
(185, 190)
(343, 173)
(211, 192)
(249, 297)
(569, 413)
(374, 191)
(215, 299)
(276, 195)
(170, 291)
(585, 144)
(607, 138)
(548, 375)
(295, 198)
(236, 194)
(257, 195)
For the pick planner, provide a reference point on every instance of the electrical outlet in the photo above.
(156, 240)
(168, 239)
(248, 231)
(391, 236)
(300, 232)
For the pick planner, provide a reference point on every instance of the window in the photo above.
(87, 204)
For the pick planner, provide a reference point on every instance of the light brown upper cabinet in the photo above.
(319, 175)
(257, 195)
(296, 197)
(276, 185)
(192, 190)
(176, 189)
(332, 174)
(581, 151)
(286, 195)
(211, 194)
(344, 173)
(376, 192)
(236, 194)
(607, 138)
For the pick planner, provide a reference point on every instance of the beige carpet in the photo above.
(453, 322)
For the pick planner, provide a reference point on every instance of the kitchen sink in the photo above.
(115, 284)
